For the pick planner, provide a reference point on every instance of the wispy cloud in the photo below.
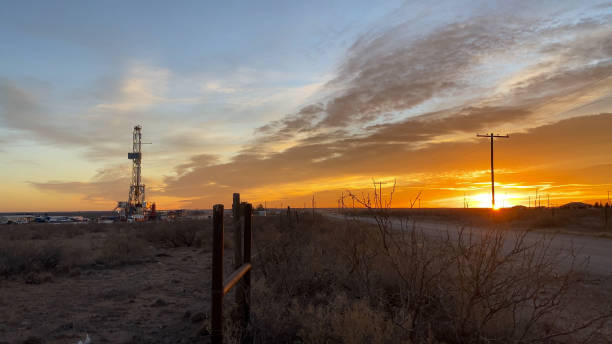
(108, 184)
(175, 108)
(478, 62)
(22, 110)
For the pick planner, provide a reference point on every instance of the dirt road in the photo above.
(597, 250)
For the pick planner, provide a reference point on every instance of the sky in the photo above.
(284, 100)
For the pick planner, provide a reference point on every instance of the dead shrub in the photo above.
(548, 219)
(174, 234)
(72, 231)
(184, 234)
(345, 321)
(121, 248)
(99, 227)
(76, 253)
(23, 257)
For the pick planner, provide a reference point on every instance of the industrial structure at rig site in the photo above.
(136, 208)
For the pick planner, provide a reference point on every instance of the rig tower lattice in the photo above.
(136, 198)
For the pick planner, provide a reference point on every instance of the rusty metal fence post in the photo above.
(241, 275)
(217, 276)
(248, 240)
(237, 211)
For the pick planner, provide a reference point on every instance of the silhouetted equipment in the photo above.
(153, 213)
(492, 136)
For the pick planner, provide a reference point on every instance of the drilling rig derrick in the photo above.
(136, 198)
(136, 206)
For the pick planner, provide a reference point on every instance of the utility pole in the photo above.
(492, 136)
(606, 211)
(313, 208)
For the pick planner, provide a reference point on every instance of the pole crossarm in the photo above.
(491, 135)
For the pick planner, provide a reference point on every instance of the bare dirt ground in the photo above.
(594, 294)
(164, 300)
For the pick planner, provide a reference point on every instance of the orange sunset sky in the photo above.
(280, 101)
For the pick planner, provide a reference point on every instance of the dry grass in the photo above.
(43, 248)
(328, 281)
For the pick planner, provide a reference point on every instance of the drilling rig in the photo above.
(136, 199)
(136, 206)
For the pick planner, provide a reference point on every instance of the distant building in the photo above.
(16, 219)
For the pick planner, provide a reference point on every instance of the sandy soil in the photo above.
(164, 300)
